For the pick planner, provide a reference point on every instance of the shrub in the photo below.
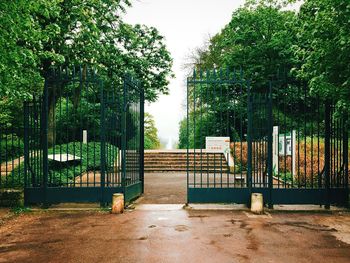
(308, 166)
(61, 174)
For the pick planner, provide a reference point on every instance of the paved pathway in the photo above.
(165, 188)
(172, 234)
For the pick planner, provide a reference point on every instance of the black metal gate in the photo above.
(284, 142)
(83, 139)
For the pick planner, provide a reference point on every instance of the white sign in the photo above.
(275, 149)
(221, 144)
(285, 144)
(85, 136)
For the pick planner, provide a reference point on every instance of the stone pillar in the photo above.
(257, 205)
(117, 203)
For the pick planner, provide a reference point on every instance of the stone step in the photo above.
(181, 155)
(184, 165)
(184, 157)
(177, 161)
(223, 164)
(183, 170)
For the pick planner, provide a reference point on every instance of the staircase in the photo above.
(176, 161)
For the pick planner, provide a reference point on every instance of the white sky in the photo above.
(185, 24)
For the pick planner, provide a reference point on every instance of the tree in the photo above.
(151, 133)
(40, 34)
(324, 49)
(19, 62)
(258, 39)
(256, 44)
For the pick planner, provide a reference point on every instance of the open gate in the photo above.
(83, 140)
(284, 142)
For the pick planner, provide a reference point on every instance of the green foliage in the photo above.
(90, 154)
(206, 125)
(70, 121)
(183, 134)
(258, 39)
(39, 34)
(20, 210)
(310, 48)
(324, 48)
(151, 133)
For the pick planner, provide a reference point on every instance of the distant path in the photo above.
(165, 188)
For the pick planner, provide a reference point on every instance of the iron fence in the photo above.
(284, 141)
(81, 140)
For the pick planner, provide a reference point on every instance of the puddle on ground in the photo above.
(181, 228)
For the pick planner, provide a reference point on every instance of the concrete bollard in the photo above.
(257, 205)
(117, 203)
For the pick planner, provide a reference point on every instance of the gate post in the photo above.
(327, 148)
(270, 145)
(249, 143)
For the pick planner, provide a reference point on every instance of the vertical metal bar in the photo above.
(124, 130)
(188, 139)
(194, 129)
(228, 126)
(207, 118)
(346, 155)
(285, 139)
(200, 127)
(327, 149)
(81, 131)
(32, 140)
(26, 143)
(1, 151)
(142, 136)
(44, 138)
(13, 155)
(60, 114)
(319, 178)
(249, 141)
(305, 133)
(241, 131)
(68, 139)
(270, 145)
(103, 144)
